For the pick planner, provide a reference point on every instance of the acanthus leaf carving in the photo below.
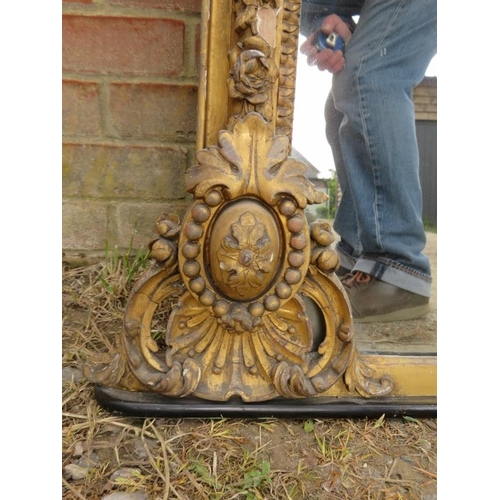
(251, 160)
(239, 326)
(243, 262)
(290, 177)
(214, 169)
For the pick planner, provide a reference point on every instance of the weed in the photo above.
(121, 269)
(256, 478)
(203, 472)
(380, 422)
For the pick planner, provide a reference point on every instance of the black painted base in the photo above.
(142, 404)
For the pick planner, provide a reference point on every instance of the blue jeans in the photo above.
(370, 125)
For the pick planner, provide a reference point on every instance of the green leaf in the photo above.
(379, 422)
(308, 426)
(106, 284)
(411, 419)
(266, 467)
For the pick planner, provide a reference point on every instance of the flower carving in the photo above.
(246, 254)
(253, 74)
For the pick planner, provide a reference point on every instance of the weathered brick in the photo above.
(116, 45)
(105, 171)
(137, 220)
(153, 110)
(175, 5)
(84, 225)
(80, 108)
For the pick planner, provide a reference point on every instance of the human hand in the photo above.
(329, 60)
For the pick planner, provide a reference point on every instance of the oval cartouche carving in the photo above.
(244, 250)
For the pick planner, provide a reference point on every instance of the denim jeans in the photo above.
(370, 125)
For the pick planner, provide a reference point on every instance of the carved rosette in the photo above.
(253, 75)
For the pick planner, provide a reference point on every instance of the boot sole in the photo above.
(400, 315)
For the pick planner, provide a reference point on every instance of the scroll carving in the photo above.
(244, 270)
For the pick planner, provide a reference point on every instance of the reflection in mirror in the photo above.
(416, 336)
(255, 312)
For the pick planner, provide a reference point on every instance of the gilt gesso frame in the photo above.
(255, 321)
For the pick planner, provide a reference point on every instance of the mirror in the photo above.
(244, 273)
(309, 141)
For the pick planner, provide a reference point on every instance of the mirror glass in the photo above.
(310, 146)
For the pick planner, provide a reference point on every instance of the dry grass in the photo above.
(216, 459)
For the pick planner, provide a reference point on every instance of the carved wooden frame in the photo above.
(256, 312)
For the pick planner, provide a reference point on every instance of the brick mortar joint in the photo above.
(111, 203)
(128, 12)
(181, 81)
(86, 140)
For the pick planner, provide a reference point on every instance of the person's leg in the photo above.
(312, 14)
(385, 58)
(349, 248)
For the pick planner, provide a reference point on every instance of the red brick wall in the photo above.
(129, 97)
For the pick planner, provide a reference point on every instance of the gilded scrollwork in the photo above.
(247, 271)
(243, 269)
(323, 256)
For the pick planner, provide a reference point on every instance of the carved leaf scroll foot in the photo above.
(241, 278)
